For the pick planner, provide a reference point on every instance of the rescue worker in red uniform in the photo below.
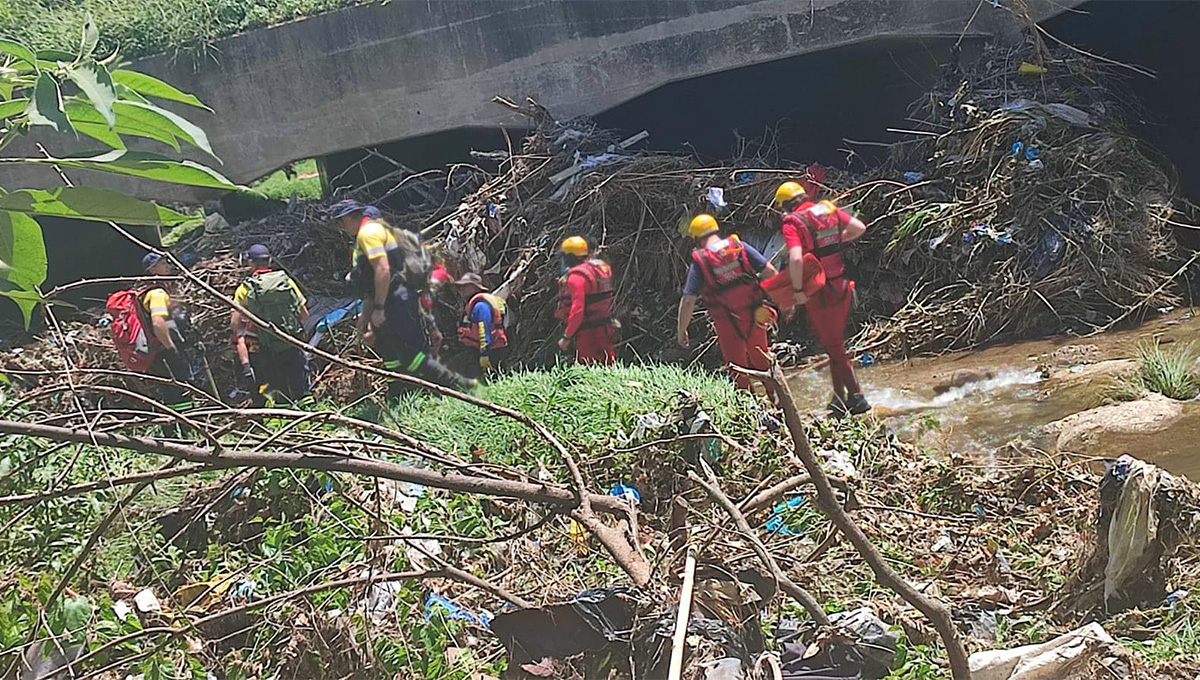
(823, 229)
(585, 300)
(725, 273)
(482, 326)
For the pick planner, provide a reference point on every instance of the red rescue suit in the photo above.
(585, 305)
(732, 294)
(817, 228)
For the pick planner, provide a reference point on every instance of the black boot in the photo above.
(857, 404)
(837, 407)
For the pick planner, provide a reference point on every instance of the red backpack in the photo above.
(136, 345)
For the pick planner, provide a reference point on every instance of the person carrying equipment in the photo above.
(585, 305)
(482, 326)
(725, 273)
(390, 270)
(821, 229)
(267, 362)
(146, 330)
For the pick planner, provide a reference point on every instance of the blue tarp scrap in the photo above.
(776, 524)
(436, 605)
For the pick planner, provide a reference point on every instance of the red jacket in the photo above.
(585, 296)
(818, 228)
(729, 279)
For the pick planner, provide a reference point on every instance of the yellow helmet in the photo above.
(576, 246)
(702, 225)
(787, 191)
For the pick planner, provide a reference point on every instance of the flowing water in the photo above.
(977, 402)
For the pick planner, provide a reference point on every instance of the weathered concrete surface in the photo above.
(379, 73)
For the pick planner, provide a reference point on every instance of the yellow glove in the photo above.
(485, 363)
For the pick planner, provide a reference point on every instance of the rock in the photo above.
(1082, 431)
(944, 382)
(1074, 354)
(1099, 371)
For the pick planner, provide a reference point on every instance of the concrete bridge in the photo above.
(385, 72)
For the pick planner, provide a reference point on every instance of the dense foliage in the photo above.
(142, 27)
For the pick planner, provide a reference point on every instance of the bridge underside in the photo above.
(385, 72)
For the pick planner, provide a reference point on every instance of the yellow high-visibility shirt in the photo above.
(158, 303)
(374, 240)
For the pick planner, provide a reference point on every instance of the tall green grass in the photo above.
(584, 406)
(1169, 370)
(142, 27)
(279, 186)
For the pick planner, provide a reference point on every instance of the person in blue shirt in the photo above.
(482, 327)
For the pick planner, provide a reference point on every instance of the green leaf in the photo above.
(91, 36)
(153, 87)
(93, 80)
(55, 56)
(98, 131)
(22, 251)
(19, 51)
(126, 92)
(140, 164)
(13, 107)
(150, 116)
(89, 203)
(22, 261)
(46, 108)
(77, 611)
(26, 300)
(90, 122)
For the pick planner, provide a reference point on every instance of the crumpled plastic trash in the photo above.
(716, 197)
(1067, 657)
(626, 491)
(436, 605)
(913, 177)
(1134, 527)
(838, 463)
(878, 643)
(777, 522)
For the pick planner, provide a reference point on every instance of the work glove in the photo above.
(246, 381)
(485, 363)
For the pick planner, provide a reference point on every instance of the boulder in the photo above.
(1081, 432)
(1094, 373)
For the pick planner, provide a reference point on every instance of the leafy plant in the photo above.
(304, 182)
(85, 94)
(1170, 371)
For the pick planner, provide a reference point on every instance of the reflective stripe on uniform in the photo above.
(416, 362)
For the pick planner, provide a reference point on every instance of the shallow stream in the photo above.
(977, 402)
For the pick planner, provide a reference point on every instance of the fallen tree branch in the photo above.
(104, 484)
(792, 588)
(230, 458)
(937, 613)
(176, 631)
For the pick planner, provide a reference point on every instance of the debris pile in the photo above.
(1026, 208)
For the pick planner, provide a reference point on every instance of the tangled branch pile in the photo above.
(1031, 209)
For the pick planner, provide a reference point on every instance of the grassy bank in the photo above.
(585, 406)
(142, 27)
